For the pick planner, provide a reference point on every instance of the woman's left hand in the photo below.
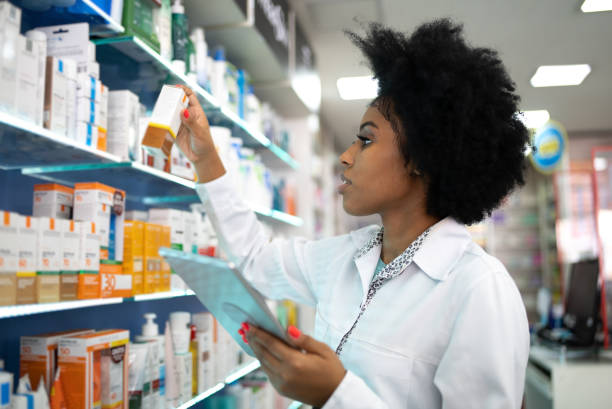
(309, 374)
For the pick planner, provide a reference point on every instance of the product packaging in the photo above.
(53, 200)
(180, 165)
(28, 79)
(28, 251)
(56, 394)
(105, 206)
(9, 257)
(150, 333)
(89, 262)
(183, 365)
(88, 110)
(70, 259)
(48, 260)
(165, 122)
(55, 114)
(95, 369)
(166, 271)
(114, 282)
(38, 355)
(163, 25)
(204, 368)
(152, 260)
(138, 388)
(87, 134)
(138, 20)
(10, 24)
(89, 88)
(6, 383)
(28, 397)
(70, 71)
(133, 253)
(40, 38)
(123, 120)
(69, 41)
(181, 332)
(173, 218)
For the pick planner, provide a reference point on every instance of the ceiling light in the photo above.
(534, 119)
(364, 87)
(560, 75)
(592, 6)
(600, 164)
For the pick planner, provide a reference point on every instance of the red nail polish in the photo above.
(294, 332)
(245, 340)
(186, 114)
(246, 327)
(241, 332)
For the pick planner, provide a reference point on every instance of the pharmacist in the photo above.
(413, 314)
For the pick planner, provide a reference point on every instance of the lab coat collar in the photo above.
(441, 250)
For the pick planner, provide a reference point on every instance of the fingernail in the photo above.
(245, 340)
(294, 332)
(186, 114)
(246, 327)
(241, 332)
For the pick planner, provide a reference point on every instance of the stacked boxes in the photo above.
(173, 218)
(113, 281)
(152, 260)
(133, 254)
(123, 125)
(53, 200)
(48, 261)
(26, 270)
(166, 272)
(56, 83)
(9, 257)
(89, 261)
(70, 259)
(10, 24)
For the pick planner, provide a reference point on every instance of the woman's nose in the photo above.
(346, 158)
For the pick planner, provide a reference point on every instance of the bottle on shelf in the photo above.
(179, 37)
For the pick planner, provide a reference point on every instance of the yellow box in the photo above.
(133, 253)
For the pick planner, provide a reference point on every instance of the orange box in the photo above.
(88, 286)
(113, 281)
(38, 355)
(152, 274)
(133, 254)
(102, 132)
(166, 271)
(94, 369)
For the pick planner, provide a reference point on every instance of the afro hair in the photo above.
(454, 110)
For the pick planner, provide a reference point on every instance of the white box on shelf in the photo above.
(89, 248)
(103, 122)
(55, 96)
(10, 24)
(71, 234)
(49, 245)
(28, 79)
(53, 200)
(173, 218)
(88, 111)
(69, 41)
(70, 71)
(93, 69)
(88, 87)
(40, 38)
(87, 134)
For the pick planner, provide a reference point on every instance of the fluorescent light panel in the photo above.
(351, 88)
(593, 6)
(560, 75)
(534, 119)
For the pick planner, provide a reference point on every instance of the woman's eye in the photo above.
(364, 141)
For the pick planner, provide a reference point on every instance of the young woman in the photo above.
(413, 314)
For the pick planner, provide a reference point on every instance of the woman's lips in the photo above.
(344, 184)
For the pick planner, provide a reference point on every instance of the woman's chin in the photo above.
(354, 210)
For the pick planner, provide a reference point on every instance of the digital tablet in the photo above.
(220, 286)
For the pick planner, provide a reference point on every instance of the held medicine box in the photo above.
(28, 251)
(165, 122)
(105, 206)
(38, 356)
(48, 260)
(94, 369)
(9, 257)
(89, 262)
(53, 200)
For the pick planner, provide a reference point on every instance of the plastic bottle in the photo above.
(201, 56)
(191, 60)
(217, 82)
(193, 348)
(150, 332)
(179, 36)
(253, 110)
(163, 27)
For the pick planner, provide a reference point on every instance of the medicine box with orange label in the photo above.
(38, 356)
(9, 257)
(28, 251)
(89, 262)
(133, 253)
(70, 258)
(94, 369)
(48, 260)
(53, 200)
(114, 282)
(105, 206)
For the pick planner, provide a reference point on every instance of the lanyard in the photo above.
(391, 270)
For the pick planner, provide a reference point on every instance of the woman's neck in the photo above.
(402, 227)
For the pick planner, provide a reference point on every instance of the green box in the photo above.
(139, 21)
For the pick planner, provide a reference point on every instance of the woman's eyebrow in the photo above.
(368, 123)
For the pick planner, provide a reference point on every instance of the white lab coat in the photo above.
(450, 332)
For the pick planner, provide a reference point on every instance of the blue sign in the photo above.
(550, 143)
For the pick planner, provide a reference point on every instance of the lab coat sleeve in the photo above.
(485, 362)
(277, 268)
(353, 393)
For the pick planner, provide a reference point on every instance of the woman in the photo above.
(414, 314)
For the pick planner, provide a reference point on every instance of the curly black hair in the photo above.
(454, 110)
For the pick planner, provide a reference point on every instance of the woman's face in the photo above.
(375, 178)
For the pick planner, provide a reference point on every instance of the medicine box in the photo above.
(38, 356)
(28, 80)
(6, 389)
(89, 87)
(133, 253)
(69, 41)
(28, 250)
(69, 279)
(94, 369)
(165, 122)
(48, 260)
(53, 200)
(88, 110)
(89, 262)
(54, 117)
(114, 282)
(152, 260)
(87, 134)
(166, 271)
(10, 24)
(173, 218)
(9, 257)
(92, 202)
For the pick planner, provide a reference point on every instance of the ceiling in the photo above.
(527, 34)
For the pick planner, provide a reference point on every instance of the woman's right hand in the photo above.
(195, 141)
